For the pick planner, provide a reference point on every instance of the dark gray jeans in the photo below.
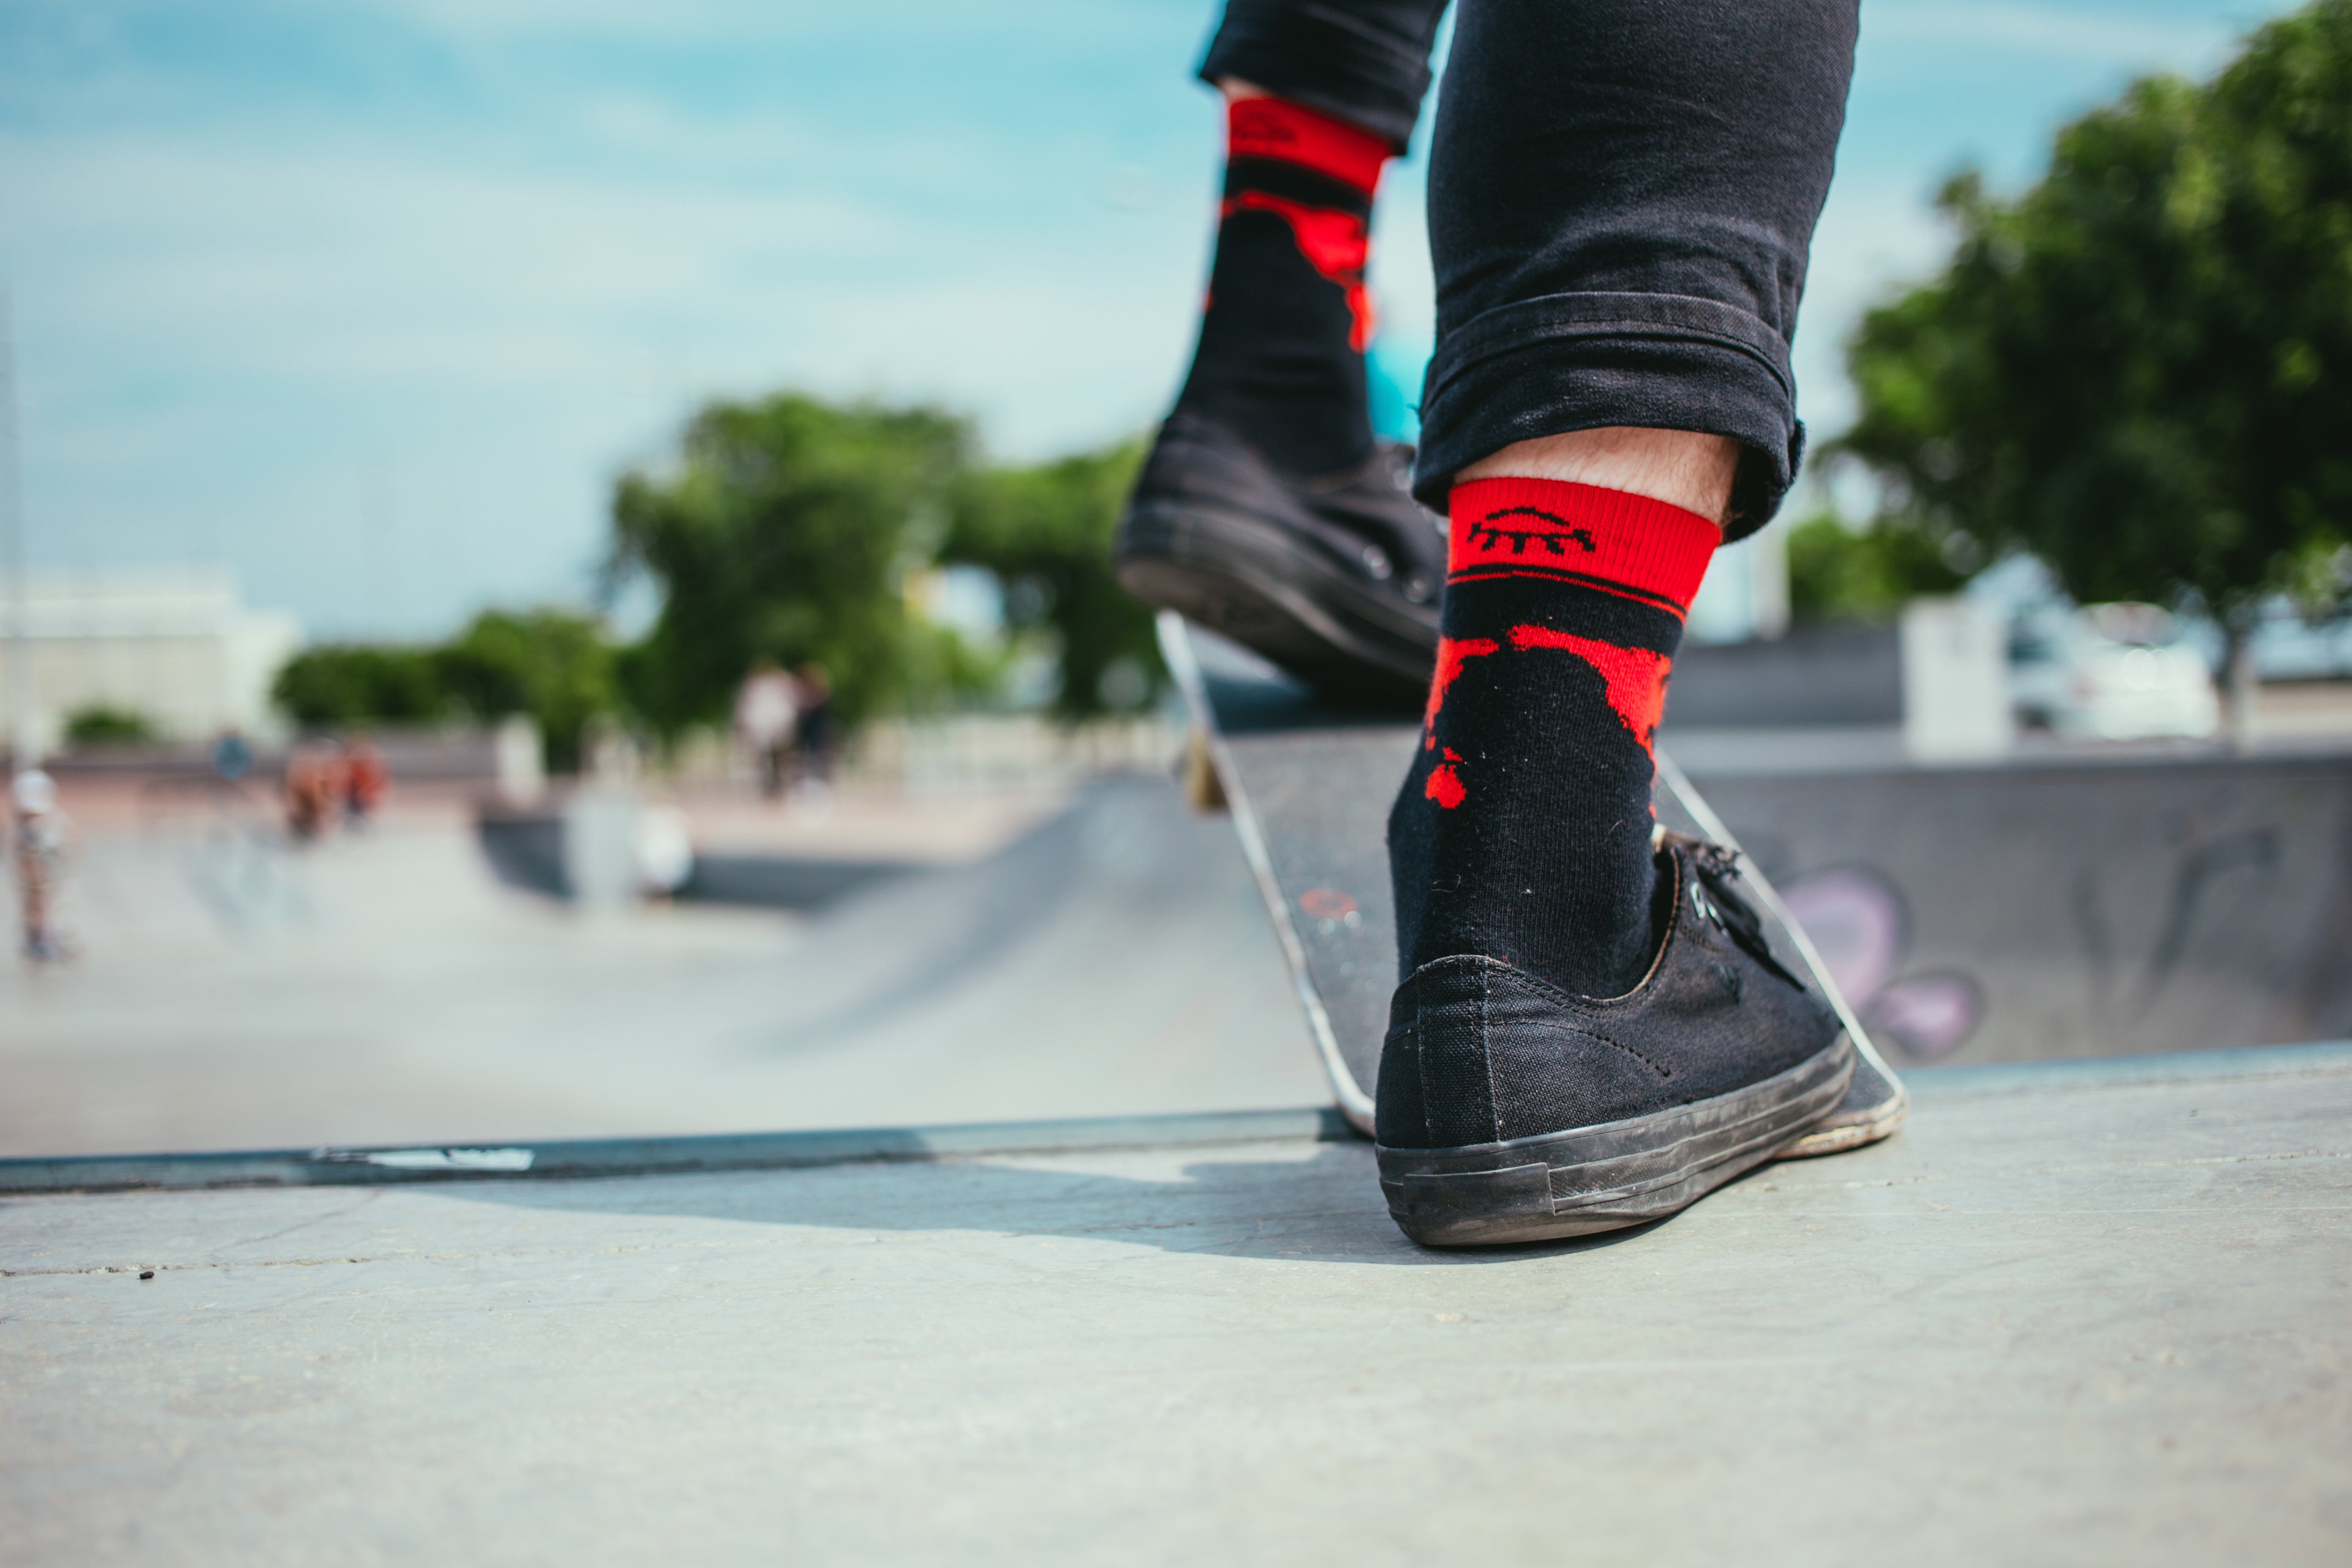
(1621, 194)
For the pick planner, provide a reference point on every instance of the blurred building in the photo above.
(175, 646)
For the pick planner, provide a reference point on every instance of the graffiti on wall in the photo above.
(1857, 920)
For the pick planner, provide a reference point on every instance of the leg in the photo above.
(1266, 510)
(1621, 206)
(1620, 213)
(1681, 467)
(1363, 62)
(1320, 97)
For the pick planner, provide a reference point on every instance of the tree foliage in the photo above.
(2140, 370)
(352, 683)
(1836, 573)
(105, 724)
(1046, 532)
(553, 665)
(785, 532)
(790, 529)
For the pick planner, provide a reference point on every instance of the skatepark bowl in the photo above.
(982, 1205)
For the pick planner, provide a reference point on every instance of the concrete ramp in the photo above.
(1113, 960)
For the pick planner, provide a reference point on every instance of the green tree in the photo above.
(785, 531)
(1838, 573)
(104, 724)
(2140, 370)
(554, 665)
(1046, 532)
(349, 683)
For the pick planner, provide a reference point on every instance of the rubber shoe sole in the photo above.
(1606, 1177)
(1252, 582)
(1874, 1105)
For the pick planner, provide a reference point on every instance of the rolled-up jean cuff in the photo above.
(1326, 60)
(1580, 362)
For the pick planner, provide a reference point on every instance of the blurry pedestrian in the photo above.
(367, 779)
(813, 691)
(40, 846)
(232, 757)
(766, 710)
(314, 790)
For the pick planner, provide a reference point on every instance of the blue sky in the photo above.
(371, 299)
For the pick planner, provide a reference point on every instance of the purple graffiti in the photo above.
(1857, 921)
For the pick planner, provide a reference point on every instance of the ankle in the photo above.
(1681, 467)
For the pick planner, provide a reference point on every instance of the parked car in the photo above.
(2110, 672)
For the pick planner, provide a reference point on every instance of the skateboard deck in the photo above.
(1309, 786)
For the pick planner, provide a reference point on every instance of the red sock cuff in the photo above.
(1613, 539)
(1294, 133)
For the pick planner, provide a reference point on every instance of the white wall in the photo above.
(1955, 680)
(176, 647)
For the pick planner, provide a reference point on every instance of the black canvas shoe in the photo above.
(1334, 578)
(1509, 1110)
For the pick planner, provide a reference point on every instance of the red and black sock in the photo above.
(1523, 830)
(1281, 357)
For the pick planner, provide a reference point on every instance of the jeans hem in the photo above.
(1325, 60)
(1580, 361)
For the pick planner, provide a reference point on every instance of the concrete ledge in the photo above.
(2239, 1062)
(608, 1157)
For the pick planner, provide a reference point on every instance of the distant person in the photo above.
(813, 688)
(314, 791)
(367, 779)
(767, 711)
(1622, 196)
(232, 757)
(40, 840)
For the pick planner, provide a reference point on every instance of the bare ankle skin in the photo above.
(1680, 468)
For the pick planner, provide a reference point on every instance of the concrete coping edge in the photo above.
(2319, 1057)
(575, 1159)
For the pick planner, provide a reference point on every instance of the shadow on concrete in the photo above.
(1326, 1208)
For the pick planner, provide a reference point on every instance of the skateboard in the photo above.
(1308, 784)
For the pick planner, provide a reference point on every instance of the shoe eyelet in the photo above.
(1416, 588)
(1375, 561)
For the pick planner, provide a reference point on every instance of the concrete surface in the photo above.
(2081, 1312)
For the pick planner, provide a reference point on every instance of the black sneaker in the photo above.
(1509, 1110)
(1334, 578)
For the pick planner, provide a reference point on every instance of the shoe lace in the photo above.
(1718, 901)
